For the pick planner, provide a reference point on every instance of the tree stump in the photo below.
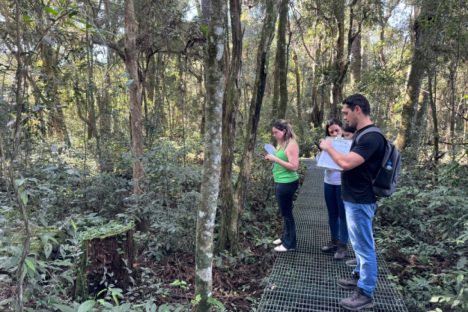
(107, 259)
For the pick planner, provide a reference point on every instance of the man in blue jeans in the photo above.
(360, 167)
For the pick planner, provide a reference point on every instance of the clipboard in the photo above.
(342, 146)
(270, 149)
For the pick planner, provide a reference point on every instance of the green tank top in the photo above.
(281, 174)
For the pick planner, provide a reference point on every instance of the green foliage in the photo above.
(261, 182)
(307, 144)
(53, 263)
(179, 283)
(212, 301)
(423, 230)
(105, 193)
(170, 203)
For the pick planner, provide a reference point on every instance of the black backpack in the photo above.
(385, 182)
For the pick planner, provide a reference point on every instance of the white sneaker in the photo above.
(277, 242)
(281, 248)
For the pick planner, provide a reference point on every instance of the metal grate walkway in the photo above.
(305, 280)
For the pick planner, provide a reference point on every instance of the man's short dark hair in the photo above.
(358, 100)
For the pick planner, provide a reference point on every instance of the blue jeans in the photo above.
(359, 217)
(284, 195)
(336, 213)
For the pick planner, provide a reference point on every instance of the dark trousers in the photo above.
(336, 213)
(284, 195)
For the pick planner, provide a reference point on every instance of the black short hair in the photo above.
(358, 100)
(332, 121)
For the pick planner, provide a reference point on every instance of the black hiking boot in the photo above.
(340, 253)
(331, 247)
(357, 301)
(349, 283)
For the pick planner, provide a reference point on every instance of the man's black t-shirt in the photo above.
(356, 184)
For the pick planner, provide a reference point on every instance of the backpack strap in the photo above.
(388, 146)
(368, 130)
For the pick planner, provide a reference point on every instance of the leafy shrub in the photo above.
(423, 230)
(105, 193)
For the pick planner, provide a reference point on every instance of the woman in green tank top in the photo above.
(285, 164)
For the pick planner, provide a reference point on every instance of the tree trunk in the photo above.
(135, 91)
(181, 101)
(365, 50)
(202, 97)
(107, 258)
(18, 189)
(385, 12)
(214, 13)
(90, 86)
(266, 37)
(316, 109)
(297, 73)
(19, 85)
(106, 163)
(420, 123)
(453, 109)
(280, 91)
(150, 91)
(383, 61)
(308, 98)
(228, 239)
(342, 60)
(56, 122)
(160, 118)
(356, 60)
(337, 87)
(435, 121)
(419, 62)
(413, 87)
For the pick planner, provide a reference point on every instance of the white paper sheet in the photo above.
(340, 145)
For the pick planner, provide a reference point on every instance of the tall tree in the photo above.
(356, 61)
(51, 75)
(342, 56)
(266, 37)
(280, 89)
(317, 90)
(214, 13)
(297, 74)
(340, 66)
(228, 239)
(419, 62)
(385, 10)
(432, 86)
(135, 93)
(104, 100)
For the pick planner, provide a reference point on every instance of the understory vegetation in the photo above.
(69, 204)
(423, 234)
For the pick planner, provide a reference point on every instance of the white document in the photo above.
(270, 149)
(341, 146)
